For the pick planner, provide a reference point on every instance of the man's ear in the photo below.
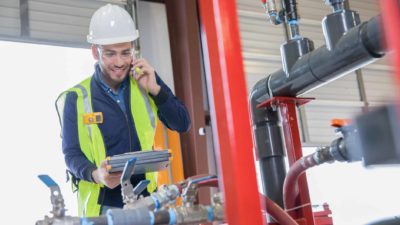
(95, 53)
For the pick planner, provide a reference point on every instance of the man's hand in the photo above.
(146, 77)
(102, 176)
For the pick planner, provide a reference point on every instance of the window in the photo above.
(32, 76)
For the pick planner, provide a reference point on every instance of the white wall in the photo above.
(154, 41)
(32, 76)
(356, 195)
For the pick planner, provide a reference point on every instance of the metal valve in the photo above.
(130, 194)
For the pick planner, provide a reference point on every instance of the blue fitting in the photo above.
(210, 214)
(151, 218)
(172, 217)
(275, 15)
(84, 221)
(157, 204)
(110, 218)
(296, 37)
(293, 22)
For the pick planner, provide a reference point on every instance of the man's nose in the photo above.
(119, 60)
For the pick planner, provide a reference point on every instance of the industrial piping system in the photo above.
(156, 209)
(349, 46)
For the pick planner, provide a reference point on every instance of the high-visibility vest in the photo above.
(91, 141)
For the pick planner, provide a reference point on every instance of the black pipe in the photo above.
(290, 7)
(337, 5)
(356, 48)
(390, 221)
(269, 145)
(291, 17)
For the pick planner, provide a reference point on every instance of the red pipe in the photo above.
(290, 187)
(273, 209)
(390, 20)
(208, 183)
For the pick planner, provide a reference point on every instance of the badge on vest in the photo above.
(93, 118)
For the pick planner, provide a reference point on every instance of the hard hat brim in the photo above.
(110, 41)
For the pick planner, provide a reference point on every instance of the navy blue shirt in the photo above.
(118, 95)
(118, 128)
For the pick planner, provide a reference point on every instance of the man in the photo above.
(113, 112)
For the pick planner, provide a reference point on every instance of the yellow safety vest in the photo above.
(91, 140)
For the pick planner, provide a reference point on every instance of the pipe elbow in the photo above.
(274, 18)
(258, 94)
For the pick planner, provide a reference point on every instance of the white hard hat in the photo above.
(111, 24)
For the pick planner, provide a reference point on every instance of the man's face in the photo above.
(115, 61)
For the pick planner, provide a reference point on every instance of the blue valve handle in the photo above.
(128, 169)
(140, 187)
(46, 179)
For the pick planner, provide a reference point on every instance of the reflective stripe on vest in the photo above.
(143, 111)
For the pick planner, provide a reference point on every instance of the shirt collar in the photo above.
(104, 85)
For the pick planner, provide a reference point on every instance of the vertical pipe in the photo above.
(391, 18)
(270, 153)
(131, 7)
(225, 73)
(291, 18)
(361, 89)
(268, 144)
(24, 18)
(284, 24)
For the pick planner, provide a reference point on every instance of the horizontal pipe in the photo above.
(100, 220)
(358, 47)
(142, 216)
(189, 215)
(208, 183)
(390, 221)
